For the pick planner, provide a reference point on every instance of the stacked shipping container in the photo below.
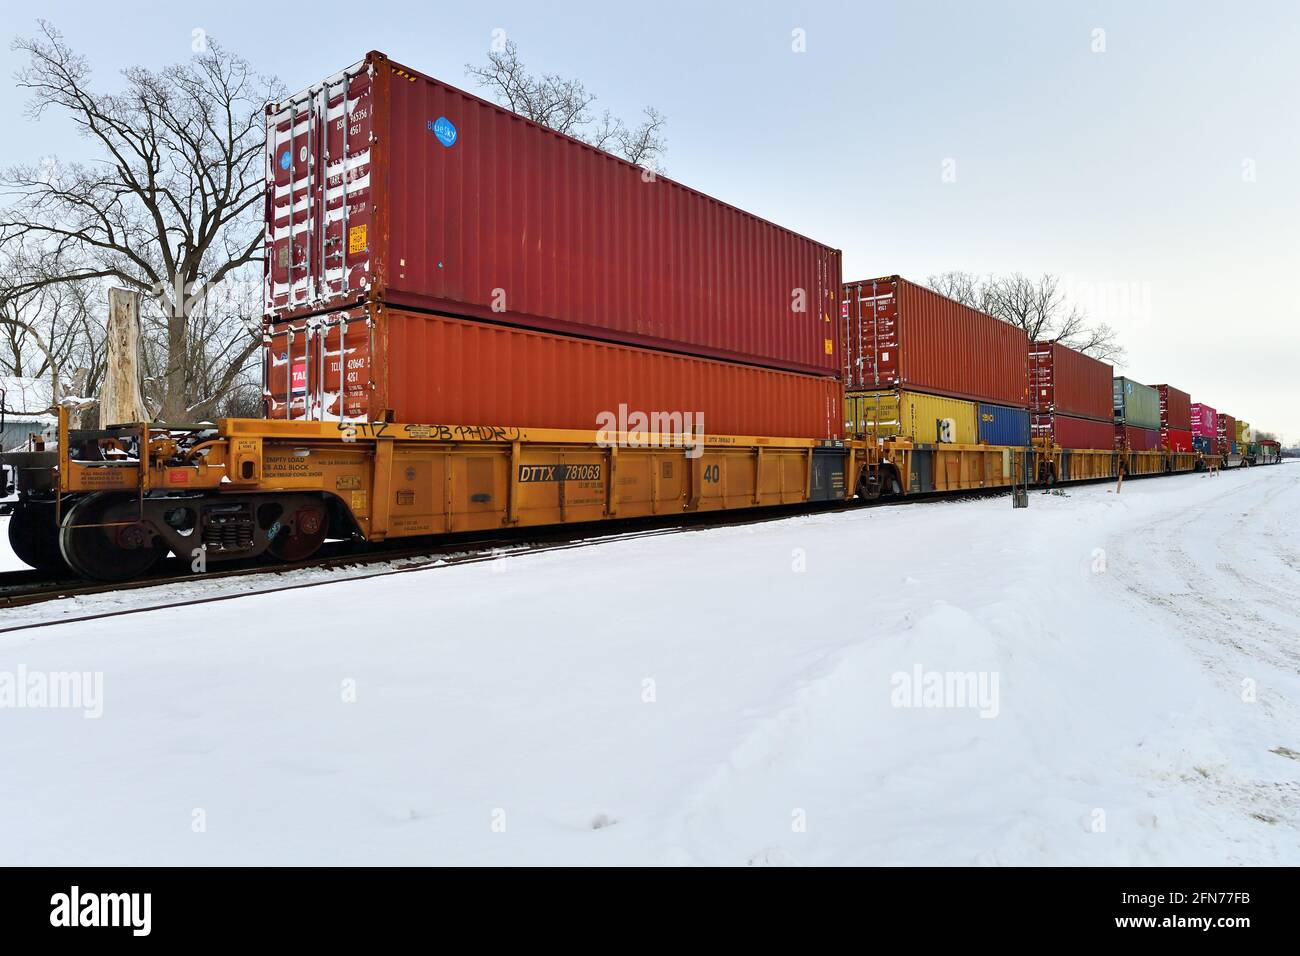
(1137, 415)
(410, 225)
(1070, 396)
(1227, 434)
(1205, 421)
(904, 345)
(1175, 418)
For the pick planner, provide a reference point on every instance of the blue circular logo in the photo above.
(445, 130)
(285, 160)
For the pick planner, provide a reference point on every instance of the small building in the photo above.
(26, 404)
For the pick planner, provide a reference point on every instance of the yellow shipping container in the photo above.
(1243, 433)
(913, 415)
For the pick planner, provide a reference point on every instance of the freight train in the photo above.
(568, 338)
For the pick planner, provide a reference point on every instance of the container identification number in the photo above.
(535, 473)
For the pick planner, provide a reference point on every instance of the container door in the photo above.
(319, 369)
(319, 208)
(880, 335)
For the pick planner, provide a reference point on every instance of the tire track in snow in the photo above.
(1232, 637)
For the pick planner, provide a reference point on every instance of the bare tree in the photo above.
(171, 207)
(48, 329)
(1038, 306)
(963, 287)
(565, 106)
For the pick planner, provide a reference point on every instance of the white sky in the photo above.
(1158, 176)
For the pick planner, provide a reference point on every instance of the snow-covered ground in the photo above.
(730, 696)
(8, 560)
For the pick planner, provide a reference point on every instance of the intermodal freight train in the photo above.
(474, 322)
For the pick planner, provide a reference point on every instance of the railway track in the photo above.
(26, 588)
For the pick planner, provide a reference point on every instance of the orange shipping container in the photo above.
(413, 367)
(897, 334)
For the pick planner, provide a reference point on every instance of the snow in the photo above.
(8, 560)
(725, 696)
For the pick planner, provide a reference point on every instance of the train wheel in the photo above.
(299, 539)
(102, 538)
(34, 537)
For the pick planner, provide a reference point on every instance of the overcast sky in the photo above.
(1147, 152)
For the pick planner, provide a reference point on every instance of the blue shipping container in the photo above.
(1234, 448)
(1202, 444)
(1000, 425)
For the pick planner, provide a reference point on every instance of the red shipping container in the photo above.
(437, 200)
(1068, 382)
(1205, 421)
(416, 368)
(1177, 439)
(1175, 408)
(1070, 432)
(901, 335)
(1227, 432)
(1137, 439)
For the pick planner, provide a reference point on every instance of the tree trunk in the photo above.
(120, 402)
(174, 403)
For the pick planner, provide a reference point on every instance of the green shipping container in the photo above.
(1136, 404)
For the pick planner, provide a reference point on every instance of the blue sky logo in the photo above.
(285, 160)
(445, 130)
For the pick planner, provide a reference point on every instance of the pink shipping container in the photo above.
(386, 185)
(901, 335)
(1205, 421)
(1067, 382)
(1137, 439)
(387, 364)
(1071, 432)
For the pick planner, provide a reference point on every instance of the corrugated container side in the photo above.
(901, 335)
(1175, 407)
(433, 369)
(1000, 425)
(1071, 432)
(1137, 439)
(1136, 404)
(1205, 421)
(437, 200)
(887, 413)
(1067, 382)
(1242, 432)
(1177, 439)
(1205, 445)
(1227, 432)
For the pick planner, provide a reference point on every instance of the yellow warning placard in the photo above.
(356, 239)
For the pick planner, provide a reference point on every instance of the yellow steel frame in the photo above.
(400, 480)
